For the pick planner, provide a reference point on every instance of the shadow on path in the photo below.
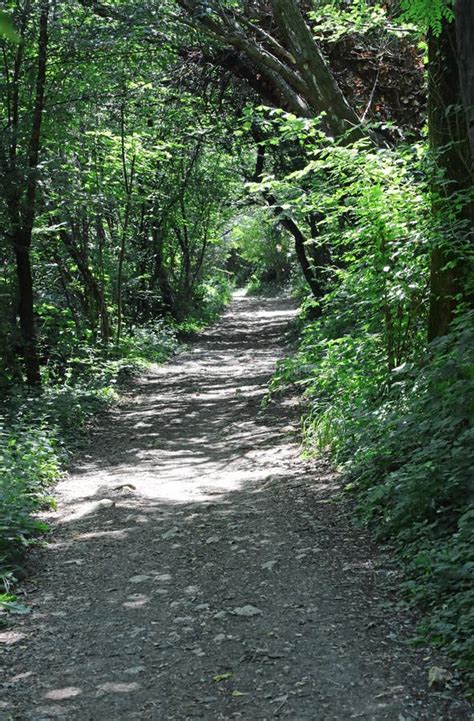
(199, 569)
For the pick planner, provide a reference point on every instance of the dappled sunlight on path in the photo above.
(200, 570)
(190, 433)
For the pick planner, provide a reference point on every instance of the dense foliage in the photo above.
(393, 412)
(404, 442)
(153, 155)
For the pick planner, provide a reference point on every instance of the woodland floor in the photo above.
(222, 582)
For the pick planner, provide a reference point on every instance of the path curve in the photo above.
(198, 569)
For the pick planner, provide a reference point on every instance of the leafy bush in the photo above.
(39, 430)
(29, 461)
(264, 252)
(36, 434)
(419, 439)
(394, 414)
(413, 469)
(152, 342)
(406, 447)
(211, 296)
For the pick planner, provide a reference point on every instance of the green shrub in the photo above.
(153, 342)
(29, 462)
(394, 415)
(413, 469)
(211, 297)
(39, 430)
(405, 442)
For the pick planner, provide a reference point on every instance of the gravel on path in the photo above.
(200, 569)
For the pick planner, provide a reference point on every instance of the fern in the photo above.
(428, 14)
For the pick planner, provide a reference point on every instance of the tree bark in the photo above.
(26, 312)
(465, 42)
(321, 89)
(22, 213)
(121, 260)
(289, 61)
(450, 144)
(92, 286)
(160, 276)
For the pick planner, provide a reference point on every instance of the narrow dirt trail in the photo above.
(221, 583)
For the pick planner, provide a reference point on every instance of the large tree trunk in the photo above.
(465, 41)
(22, 221)
(128, 179)
(160, 275)
(450, 144)
(319, 87)
(287, 61)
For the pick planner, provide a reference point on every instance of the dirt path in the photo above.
(221, 583)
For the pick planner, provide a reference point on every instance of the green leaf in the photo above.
(7, 29)
(222, 677)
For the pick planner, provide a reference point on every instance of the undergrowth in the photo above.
(40, 430)
(406, 448)
(211, 299)
(392, 411)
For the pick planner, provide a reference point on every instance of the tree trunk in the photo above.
(300, 249)
(26, 312)
(450, 144)
(322, 91)
(128, 179)
(444, 290)
(23, 221)
(160, 276)
(287, 61)
(92, 286)
(465, 42)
